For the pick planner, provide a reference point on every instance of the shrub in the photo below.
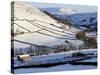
(91, 42)
(81, 35)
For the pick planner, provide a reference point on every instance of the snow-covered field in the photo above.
(65, 67)
(40, 26)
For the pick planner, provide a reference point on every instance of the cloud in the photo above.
(67, 11)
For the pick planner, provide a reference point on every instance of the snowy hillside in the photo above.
(81, 19)
(38, 27)
(78, 19)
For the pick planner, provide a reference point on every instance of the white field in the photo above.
(29, 17)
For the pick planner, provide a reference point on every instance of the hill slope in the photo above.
(34, 26)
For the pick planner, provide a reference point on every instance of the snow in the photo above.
(78, 18)
(38, 18)
(90, 60)
(91, 34)
(30, 17)
(65, 67)
(87, 51)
